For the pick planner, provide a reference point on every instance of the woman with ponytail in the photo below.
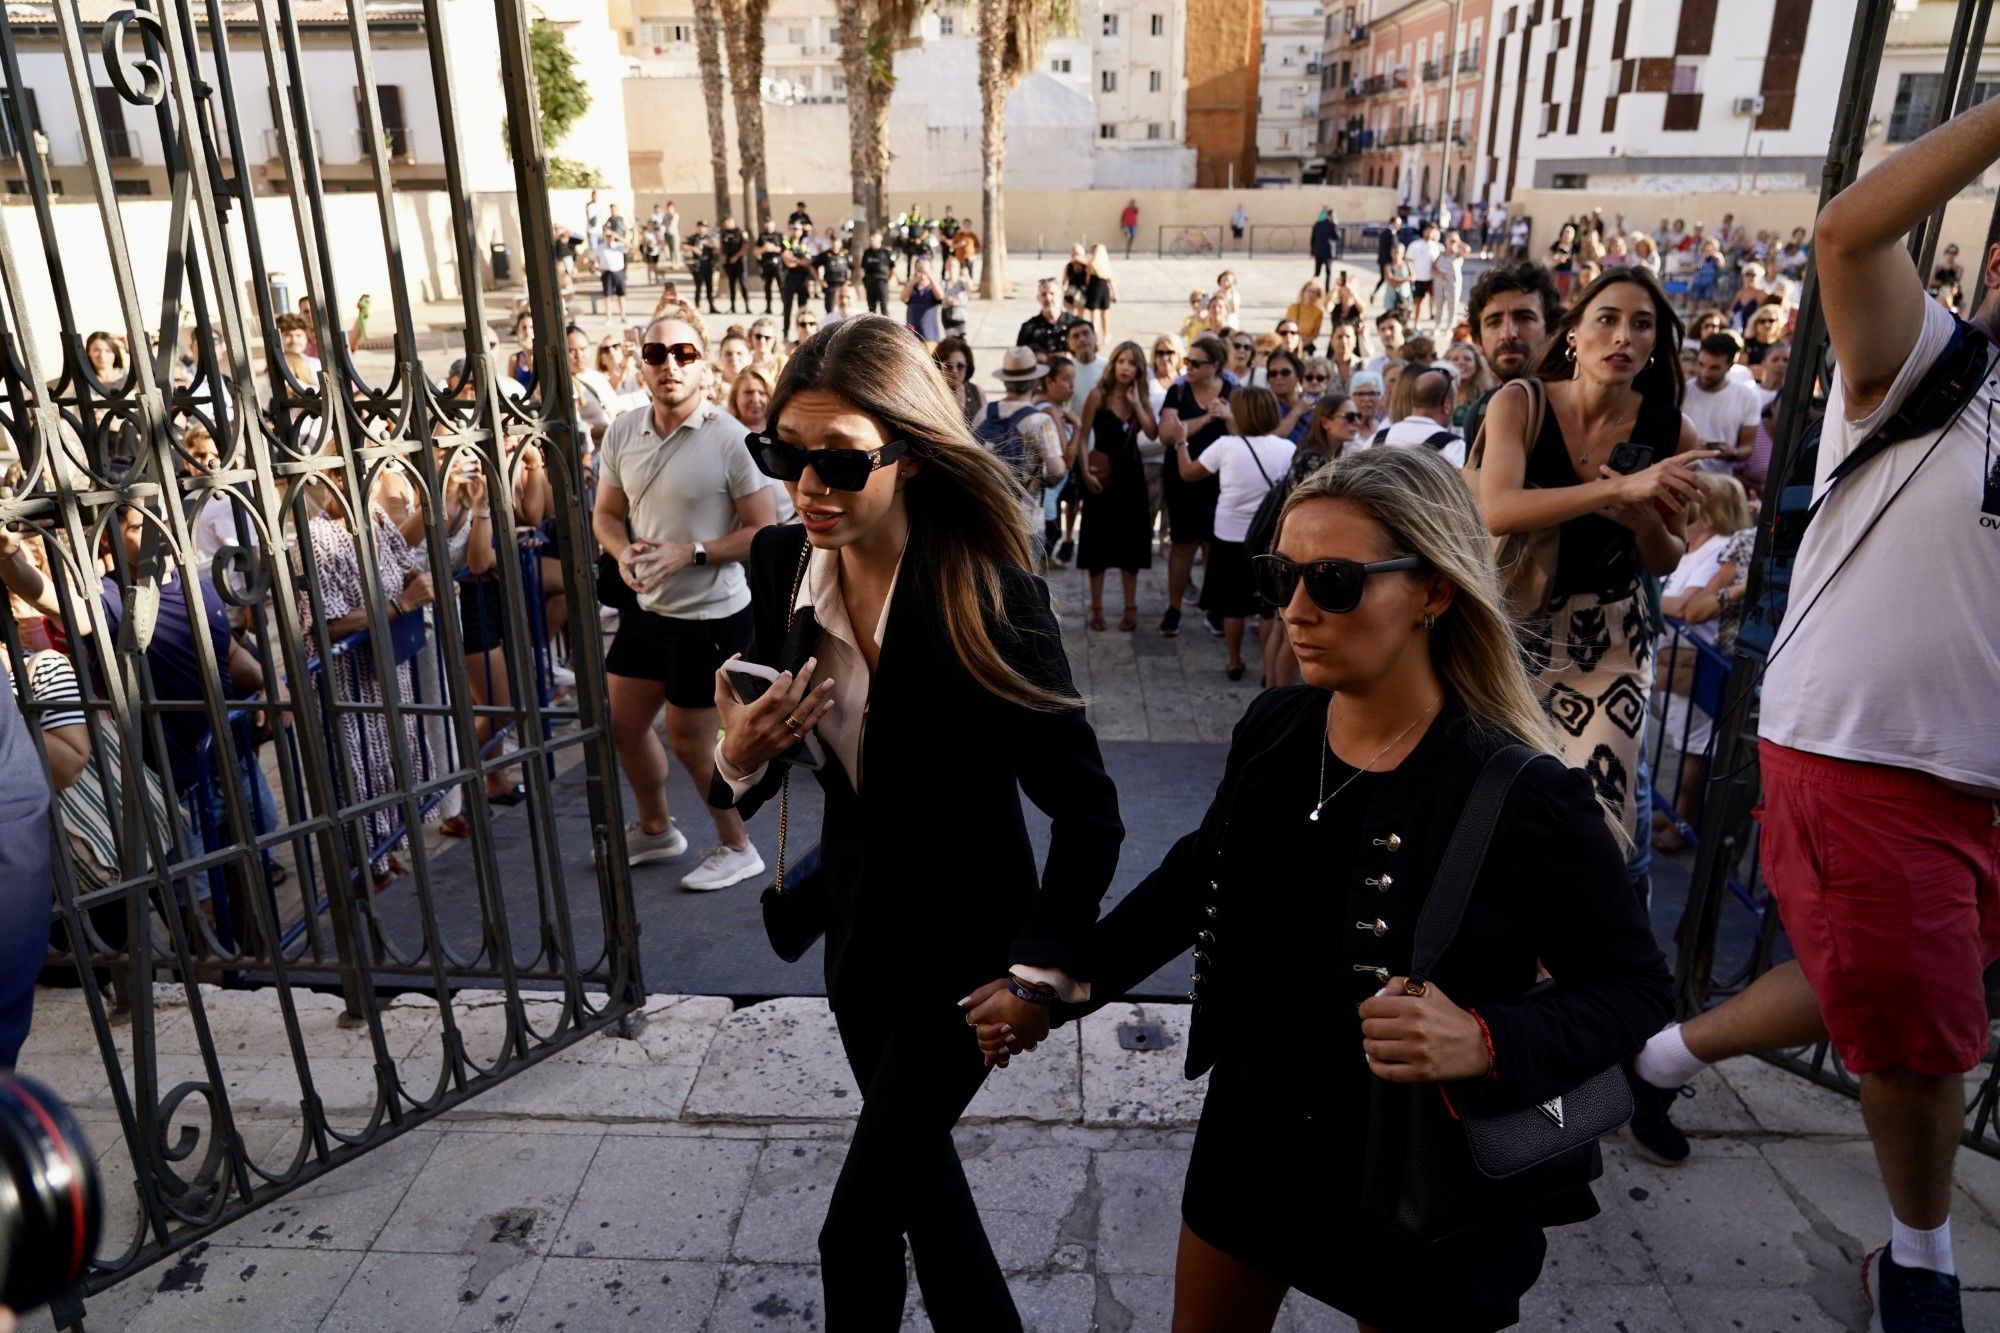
(922, 657)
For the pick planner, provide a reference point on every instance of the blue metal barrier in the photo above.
(1687, 719)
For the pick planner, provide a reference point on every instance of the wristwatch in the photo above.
(700, 554)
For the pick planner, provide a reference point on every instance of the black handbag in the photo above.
(1429, 1173)
(795, 911)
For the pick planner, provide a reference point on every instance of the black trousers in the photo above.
(739, 282)
(704, 285)
(772, 282)
(796, 295)
(878, 295)
(917, 1069)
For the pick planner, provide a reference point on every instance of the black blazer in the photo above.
(1553, 889)
(931, 876)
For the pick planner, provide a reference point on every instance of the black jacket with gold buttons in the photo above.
(1553, 890)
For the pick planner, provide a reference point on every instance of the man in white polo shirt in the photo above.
(678, 500)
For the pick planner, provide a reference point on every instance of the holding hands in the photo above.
(1006, 1024)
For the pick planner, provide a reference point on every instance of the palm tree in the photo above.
(744, 27)
(1011, 35)
(871, 32)
(708, 46)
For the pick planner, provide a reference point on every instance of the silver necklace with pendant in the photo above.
(1326, 746)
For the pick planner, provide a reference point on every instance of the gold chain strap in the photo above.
(785, 783)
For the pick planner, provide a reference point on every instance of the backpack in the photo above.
(1440, 439)
(1929, 408)
(1002, 437)
(1262, 533)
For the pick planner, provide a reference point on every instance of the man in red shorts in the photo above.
(1880, 736)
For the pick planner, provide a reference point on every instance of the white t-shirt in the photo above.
(1417, 432)
(1422, 255)
(1896, 658)
(1088, 373)
(1719, 415)
(1694, 571)
(1243, 486)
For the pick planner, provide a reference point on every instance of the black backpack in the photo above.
(1930, 408)
(1263, 532)
(1439, 439)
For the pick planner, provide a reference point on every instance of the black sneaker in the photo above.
(1909, 1300)
(1170, 623)
(1214, 622)
(1652, 1131)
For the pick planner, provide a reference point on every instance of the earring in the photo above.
(1430, 620)
(1569, 350)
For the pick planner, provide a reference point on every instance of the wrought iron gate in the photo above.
(1727, 884)
(167, 465)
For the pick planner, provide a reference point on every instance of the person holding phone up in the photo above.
(1608, 376)
(912, 640)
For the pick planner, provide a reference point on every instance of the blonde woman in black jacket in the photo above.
(1301, 892)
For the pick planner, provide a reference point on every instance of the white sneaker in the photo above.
(561, 676)
(642, 847)
(722, 866)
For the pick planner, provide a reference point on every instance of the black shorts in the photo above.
(682, 655)
(614, 281)
(1420, 289)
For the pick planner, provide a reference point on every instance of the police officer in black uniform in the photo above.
(699, 252)
(735, 245)
(799, 215)
(835, 269)
(878, 265)
(797, 267)
(770, 245)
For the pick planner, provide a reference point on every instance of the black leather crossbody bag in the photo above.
(1427, 1175)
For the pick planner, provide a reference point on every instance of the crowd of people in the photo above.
(1461, 519)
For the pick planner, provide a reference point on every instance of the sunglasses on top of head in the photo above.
(658, 354)
(1333, 585)
(838, 469)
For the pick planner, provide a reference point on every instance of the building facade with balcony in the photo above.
(1402, 87)
(1910, 96)
(1288, 91)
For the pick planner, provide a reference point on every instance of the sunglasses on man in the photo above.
(658, 354)
(838, 469)
(1333, 585)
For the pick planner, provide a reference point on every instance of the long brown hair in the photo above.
(1660, 377)
(965, 507)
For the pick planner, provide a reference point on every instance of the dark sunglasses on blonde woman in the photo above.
(1333, 585)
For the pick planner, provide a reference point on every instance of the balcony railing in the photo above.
(1399, 78)
(1468, 61)
(1373, 84)
(274, 149)
(1461, 132)
(399, 143)
(1435, 70)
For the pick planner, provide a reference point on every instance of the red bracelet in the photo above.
(1492, 1060)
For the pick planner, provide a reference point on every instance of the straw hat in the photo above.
(1020, 367)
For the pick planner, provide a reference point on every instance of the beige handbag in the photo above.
(1526, 560)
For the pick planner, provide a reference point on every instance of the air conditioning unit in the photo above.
(1747, 106)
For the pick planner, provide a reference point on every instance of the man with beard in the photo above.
(1511, 309)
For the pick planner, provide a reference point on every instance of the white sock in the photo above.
(1666, 1062)
(1922, 1249)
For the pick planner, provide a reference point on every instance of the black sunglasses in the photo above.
(1199, 361)
(682, 354)
(1334, 585)
(840, 469)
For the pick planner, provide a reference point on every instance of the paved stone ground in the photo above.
(676, 1181)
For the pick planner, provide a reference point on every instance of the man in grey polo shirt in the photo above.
(678, 500)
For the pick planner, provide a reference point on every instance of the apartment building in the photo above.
(1402, 86)
(1288, 90)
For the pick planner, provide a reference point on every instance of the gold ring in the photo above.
(793, 725)
(1416, 989)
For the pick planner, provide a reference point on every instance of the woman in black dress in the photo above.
(911, 531)
(1196, 410)
(1301, 891)
(1117, 517)
(1076, 278)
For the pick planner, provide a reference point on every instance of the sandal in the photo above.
(1129, 621)
(455, 826)
(1096, 621)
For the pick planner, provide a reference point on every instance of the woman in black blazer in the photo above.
(925, 660)
(1301, 891)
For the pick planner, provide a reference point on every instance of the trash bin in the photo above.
(503, 263)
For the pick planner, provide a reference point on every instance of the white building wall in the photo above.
(1288, 87)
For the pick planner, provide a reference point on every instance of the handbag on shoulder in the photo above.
(796, 910)
(1427, 1175)
(1526, 560)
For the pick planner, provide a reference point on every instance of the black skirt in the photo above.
(481, 623)
(1226, 587)
(1271, 1185)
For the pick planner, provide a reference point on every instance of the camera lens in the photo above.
(50, 1208)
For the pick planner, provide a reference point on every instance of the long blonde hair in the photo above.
(1100, 260)
(964, 505)
(1422, 505)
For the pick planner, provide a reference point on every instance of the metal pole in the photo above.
(1450, 100)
